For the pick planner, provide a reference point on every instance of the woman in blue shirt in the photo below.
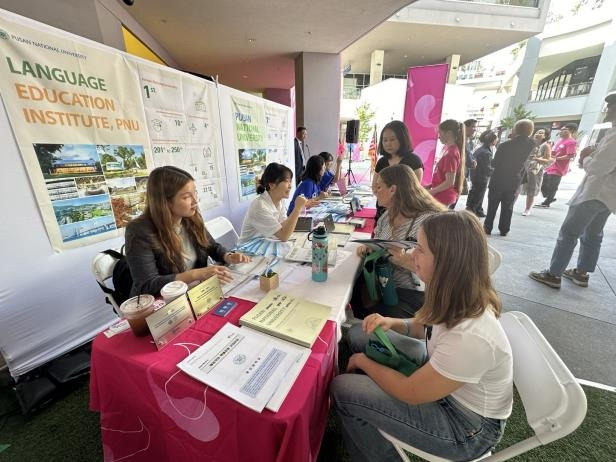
(309, 187)
(328, 177)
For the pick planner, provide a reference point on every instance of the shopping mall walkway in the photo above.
(580, 323)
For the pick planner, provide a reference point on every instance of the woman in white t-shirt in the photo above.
(456, 404)
(267, 215)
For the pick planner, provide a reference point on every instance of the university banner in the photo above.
(78, 118)
(183, 123)
(250, 142)
(422, 111)
(277, 133)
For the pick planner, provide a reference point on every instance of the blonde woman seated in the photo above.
(456, 404)
(407, 204)
(169, 242)
(267, 216)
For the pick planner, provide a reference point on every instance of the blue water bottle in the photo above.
(319, 254)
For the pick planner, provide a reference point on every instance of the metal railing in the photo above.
(527, 3)
(565, 91)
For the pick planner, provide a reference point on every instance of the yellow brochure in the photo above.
(287, 317)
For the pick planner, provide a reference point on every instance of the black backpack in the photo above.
(121, 277)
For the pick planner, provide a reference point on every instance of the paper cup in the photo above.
(135, 310)
(173, 290)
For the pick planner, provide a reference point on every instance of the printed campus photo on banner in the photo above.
(250, 142)
(80, 211)
(78, 119)
(183, 127)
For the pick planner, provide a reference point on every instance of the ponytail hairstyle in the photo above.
(487, 138)
(457, 129)
(163, 184)
(327, 157)
(272, 175)
(313, 169)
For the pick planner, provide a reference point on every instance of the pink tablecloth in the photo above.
(368, 214)
(151, 412)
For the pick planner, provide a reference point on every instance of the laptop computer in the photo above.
(304, 225)
(342, 187)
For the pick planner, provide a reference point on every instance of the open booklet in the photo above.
(290, 318)
(304, 254)
(386, 243)
(252, 368)
(244, 272)
(301, 240)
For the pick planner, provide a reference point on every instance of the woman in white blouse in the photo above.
(267, 215)
(407, 204)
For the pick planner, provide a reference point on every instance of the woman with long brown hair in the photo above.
(456, 403)
(169, 242)
(448, 178)
(406, 205)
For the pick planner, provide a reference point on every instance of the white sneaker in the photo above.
(526, 213)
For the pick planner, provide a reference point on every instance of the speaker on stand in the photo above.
(351, 137)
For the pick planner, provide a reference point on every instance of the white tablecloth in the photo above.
(296, 279)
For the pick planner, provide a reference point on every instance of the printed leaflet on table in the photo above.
(249, 367)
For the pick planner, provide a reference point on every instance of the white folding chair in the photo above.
(102, 269)
(494, 259)
(222, 231)
(553, 400)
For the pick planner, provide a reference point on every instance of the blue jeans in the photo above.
(584, 221)
(444, 428)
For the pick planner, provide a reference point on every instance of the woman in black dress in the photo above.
(395, 148)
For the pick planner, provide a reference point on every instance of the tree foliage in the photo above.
(365, 114)
(45, 154)
(519, 113)
(126, 154)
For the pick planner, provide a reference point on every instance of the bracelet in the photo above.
(408, 327)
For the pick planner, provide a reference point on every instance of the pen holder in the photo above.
(270, 282)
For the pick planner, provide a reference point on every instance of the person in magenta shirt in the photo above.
(448, 177)
(563, 152)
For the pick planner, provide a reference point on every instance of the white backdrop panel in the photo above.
(50, 302)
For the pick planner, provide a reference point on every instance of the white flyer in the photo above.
(246, 365)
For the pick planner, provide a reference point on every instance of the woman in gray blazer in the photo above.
(169, 242)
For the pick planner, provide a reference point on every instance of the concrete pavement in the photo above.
(580, 323)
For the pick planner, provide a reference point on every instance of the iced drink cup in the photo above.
(135, 310)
